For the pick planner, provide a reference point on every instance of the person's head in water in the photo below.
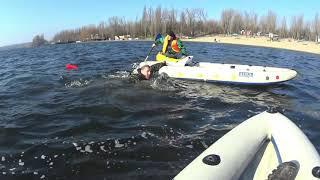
(146, 71)
(172, 35)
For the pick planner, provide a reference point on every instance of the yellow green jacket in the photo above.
(179, 45)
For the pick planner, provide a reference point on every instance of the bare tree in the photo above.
(114, 26)
(213, 27)
(183, 23)
(283, 32)
(237, 23)
(296, 27)
(271, 20)
(307, 32)
(150, 24)
(253, 22)
(263, 26)
(226, 17)
(38, 40)
(101, 30)
(201, 18)
(144, 21)
(191, 22)
(246, 21)
(172, 24)
(316, 27)
(157, 20)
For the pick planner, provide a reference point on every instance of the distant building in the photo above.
(247, 33)
(96, 37)
(270, 36)
(122, 37)
(273, 37)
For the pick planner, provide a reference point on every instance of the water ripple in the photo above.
(93, 123)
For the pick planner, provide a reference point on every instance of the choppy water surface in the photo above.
(93, 124)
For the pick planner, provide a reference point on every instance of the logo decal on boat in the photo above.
(245, 74)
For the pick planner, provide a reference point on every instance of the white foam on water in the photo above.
(102, 148)
(144, 135)
(87, 148)
(120, 74)
(21, 163)
(77, 83)
(117, 144)
(204, 144)
(151, 134)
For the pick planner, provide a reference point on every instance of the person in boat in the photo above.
(146, 72)
(172, 46)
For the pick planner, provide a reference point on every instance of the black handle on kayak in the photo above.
(149, 53)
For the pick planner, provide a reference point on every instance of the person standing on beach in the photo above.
(173, 47)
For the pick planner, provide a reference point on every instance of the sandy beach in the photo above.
(290, 44)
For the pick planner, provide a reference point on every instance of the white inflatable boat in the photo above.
(266, 146)
(225, 73)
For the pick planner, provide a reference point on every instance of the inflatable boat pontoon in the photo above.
(224, 73)
(266, 146)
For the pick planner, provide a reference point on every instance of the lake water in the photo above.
(93, 124)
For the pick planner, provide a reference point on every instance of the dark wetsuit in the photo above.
(139, 77)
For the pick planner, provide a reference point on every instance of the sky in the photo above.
(21, 20)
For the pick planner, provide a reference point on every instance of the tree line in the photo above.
(195, 22)
(38, 40)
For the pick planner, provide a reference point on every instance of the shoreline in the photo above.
(288, 44)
